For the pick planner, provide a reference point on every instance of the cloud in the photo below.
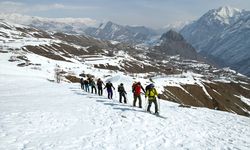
(11, 7)
(17, 7)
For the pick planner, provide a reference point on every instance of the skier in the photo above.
(151, 93)
(82, 84)
(99, 86)
(137, 93)
(109, 87)
(122, 93)
(92, 84)
(86, 84)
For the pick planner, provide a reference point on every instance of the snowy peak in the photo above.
(222, 36)
(67, 25)
(115, 32)
(25, 19)
(225, 15)
(109, 26)
(227, 11)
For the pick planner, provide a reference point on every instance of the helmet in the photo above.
(121, 84)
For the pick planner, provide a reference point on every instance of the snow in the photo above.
(26, 20)
(38, 114)
(114, 42)
(244, 99)
(227, 11)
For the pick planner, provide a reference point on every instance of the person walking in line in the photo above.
(137, 93)
(99, 86)
(86, 84)
(82, 83)
(93, 85)
(122, 93)
(109, 87)
(151, 93)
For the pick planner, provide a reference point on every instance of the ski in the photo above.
(157, 115)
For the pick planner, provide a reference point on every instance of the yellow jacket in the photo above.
(151, 94)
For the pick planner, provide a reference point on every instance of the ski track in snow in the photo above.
(44, 115)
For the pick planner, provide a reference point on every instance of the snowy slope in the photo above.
(38, 114)
(73, 54)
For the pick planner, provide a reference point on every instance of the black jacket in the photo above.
(121, 89)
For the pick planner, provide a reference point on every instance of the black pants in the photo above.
(135, 99)
(150, 101)
(93, 87)
(100, 91)
(122, 94)
(82, 86)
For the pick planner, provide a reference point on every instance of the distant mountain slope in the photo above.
(66, 25)
(129, 34)
(172, 43)
(210, 24)
(222, 35)
(232, 46)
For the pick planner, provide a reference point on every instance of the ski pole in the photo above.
(115, 94)
(158, 105)
(146, 103)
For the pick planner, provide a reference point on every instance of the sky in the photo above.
(151, 13)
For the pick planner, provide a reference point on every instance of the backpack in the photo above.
(137, 89)
(151, 92)
(109, 85)
(86, 82)
(99, 83)
(121, 89)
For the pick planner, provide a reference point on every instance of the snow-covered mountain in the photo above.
(231, 46)
(66, 25)
(37, 113)
(129, 34)
(184, 81)
(176, 26)
(213, 22)
(222, 35)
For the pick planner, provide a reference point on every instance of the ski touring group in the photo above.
(97, 87)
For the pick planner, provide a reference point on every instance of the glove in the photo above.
(158, 96)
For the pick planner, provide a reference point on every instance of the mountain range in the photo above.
(222, 36)
(181, 79)
(129, 34)
(43, 105)
(66, 25)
